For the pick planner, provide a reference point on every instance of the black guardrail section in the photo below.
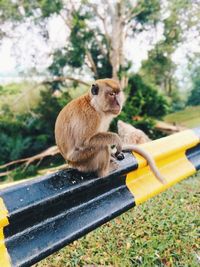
(50, 212)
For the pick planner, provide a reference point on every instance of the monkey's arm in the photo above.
(104, 139)
(82, 154)
(93, 145)
(148, 158)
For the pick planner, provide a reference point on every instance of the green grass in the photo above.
(190, 117)
(160, 232)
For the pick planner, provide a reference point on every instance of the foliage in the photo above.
(149, 11)
(81, 43)
(79, 39)
(95, 44)
(159, 68)
(47, 112)
(161, 232)
(144, 101)
(27, 134)
(19, 98)
(10, 9)
(10, 89)
(177, 101)
(12, 141)
(194, 98)
(23, 173)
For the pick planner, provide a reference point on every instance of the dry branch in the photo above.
(51, 151)
(63, 79)
(169, 128)
(4, 173)
(91, 61)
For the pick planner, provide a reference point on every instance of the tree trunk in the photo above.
(117, 40)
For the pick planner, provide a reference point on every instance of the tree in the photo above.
(23, 135)
(159, 69)
(146, 103)
(98, 30)
(194, 97)
(144, 100)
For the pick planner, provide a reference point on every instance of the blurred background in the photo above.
(51, 51)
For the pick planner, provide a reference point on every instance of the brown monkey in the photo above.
(82, 125)
(131, 135)
(81, 130)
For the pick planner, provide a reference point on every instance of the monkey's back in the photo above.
(76, 122)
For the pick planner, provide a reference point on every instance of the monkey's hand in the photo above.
(118, 149)
(117, 143)
(119, 156)
(104, 139)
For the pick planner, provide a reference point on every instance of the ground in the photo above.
(161, 232)
(189, 117)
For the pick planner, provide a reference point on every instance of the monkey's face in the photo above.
(113, 101)
(107, 96)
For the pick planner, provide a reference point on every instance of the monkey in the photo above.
(131, 135)
(81, 130)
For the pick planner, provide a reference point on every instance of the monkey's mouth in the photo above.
(116, 109)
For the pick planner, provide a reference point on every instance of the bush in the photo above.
(22, 173)
(27, 134)
(194, 98)
(143, 100)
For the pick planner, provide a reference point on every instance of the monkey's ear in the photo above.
(95, 89)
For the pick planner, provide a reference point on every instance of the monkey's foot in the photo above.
(113, 165)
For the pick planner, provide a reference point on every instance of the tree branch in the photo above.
(63, 79)
(103, 51)
(132, 15)
(102, 18)
(51, 151)
(90, 59)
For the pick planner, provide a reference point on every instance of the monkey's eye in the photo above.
(112, 94)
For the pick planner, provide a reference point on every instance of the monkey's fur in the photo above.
(82, 125)
(131, 135)
(81, 130)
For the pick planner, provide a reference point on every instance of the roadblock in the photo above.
(40, 216)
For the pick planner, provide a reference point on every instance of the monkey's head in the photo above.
(107, 96)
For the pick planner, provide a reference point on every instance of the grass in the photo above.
(189, 117)
(160, 232)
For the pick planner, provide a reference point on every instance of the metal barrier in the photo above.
(42, 215)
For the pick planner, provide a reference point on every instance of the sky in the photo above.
(27, 47)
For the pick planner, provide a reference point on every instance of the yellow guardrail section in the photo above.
(170, 157)
(4, 256)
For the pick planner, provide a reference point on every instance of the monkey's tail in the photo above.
(148, 158)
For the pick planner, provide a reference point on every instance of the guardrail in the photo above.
(40, 216)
